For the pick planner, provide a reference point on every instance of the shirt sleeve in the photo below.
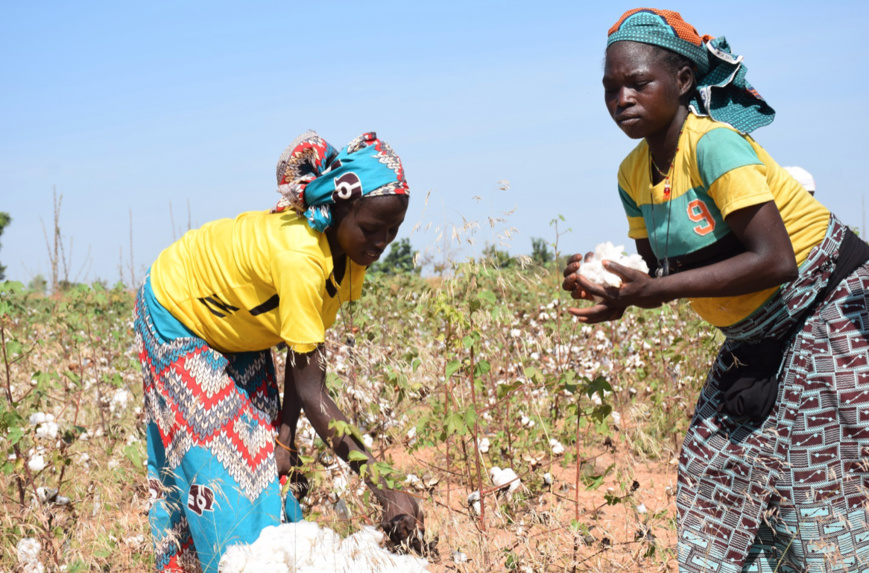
(300, 281)
(731, 171)
(636, 223)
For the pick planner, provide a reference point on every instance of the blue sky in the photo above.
(127, 106)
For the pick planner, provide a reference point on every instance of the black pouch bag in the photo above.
(750, 383)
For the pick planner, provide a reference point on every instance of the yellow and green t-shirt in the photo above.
(248, 283)
(716, 171)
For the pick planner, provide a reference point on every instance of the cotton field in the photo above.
(520, 432)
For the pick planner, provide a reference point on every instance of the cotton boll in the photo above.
(594, 271)
(484, 445)
(459, 557)
(505, 479)
(47, 430)
(547, 478)
(28, 550)
(36, 463)
(474, 501)
(557, 447)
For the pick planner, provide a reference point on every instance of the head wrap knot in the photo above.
(722, 91)
(312, 175)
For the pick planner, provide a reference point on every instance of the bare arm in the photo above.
(767, 262)
(305, 388)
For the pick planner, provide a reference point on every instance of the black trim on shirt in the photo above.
(267, 306)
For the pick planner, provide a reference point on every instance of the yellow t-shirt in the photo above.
(248, 283)
(716, 171)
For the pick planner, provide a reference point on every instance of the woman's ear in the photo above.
(685, 80)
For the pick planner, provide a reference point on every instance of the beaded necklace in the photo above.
(664, 266)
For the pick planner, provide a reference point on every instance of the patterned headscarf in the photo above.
(722, 90)
(312, 175)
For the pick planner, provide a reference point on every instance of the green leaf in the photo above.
(468, 341)
(470, 417)
(455, 424)
(134, 455)
(482, 368)
(14, 434)
(356, 456)
(451, 368)
(595, 481)
(487, 296)
(504, 389)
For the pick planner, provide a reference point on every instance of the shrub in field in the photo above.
(63, 427)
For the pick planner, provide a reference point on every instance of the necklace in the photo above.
(663, 269)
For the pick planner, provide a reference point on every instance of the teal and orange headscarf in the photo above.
(312, 175)
(722, 90)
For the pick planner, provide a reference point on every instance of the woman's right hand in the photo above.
(571, 277)
(402, 518)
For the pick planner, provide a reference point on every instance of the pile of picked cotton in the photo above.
(305, 547)
(594, 271)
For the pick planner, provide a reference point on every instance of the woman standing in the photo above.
(214, 304)
(775, 465)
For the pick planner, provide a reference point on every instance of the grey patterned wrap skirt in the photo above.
(788, 494)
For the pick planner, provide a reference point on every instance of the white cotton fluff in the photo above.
(505, 479)
(474, 501)
(594, 271)
(305, 547)
(484, 445)
(36, 463)
(557, 447)
(119, 401)
(28, 550)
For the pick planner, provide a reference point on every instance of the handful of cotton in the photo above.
(594, 271)
(305, 547)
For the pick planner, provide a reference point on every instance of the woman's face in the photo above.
(641, 92)
(367, 227)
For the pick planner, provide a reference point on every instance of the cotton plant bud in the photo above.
(594, 271)
(557, 447)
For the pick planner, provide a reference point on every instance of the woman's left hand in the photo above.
(637, 288)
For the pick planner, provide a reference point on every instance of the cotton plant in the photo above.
(305, 547)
